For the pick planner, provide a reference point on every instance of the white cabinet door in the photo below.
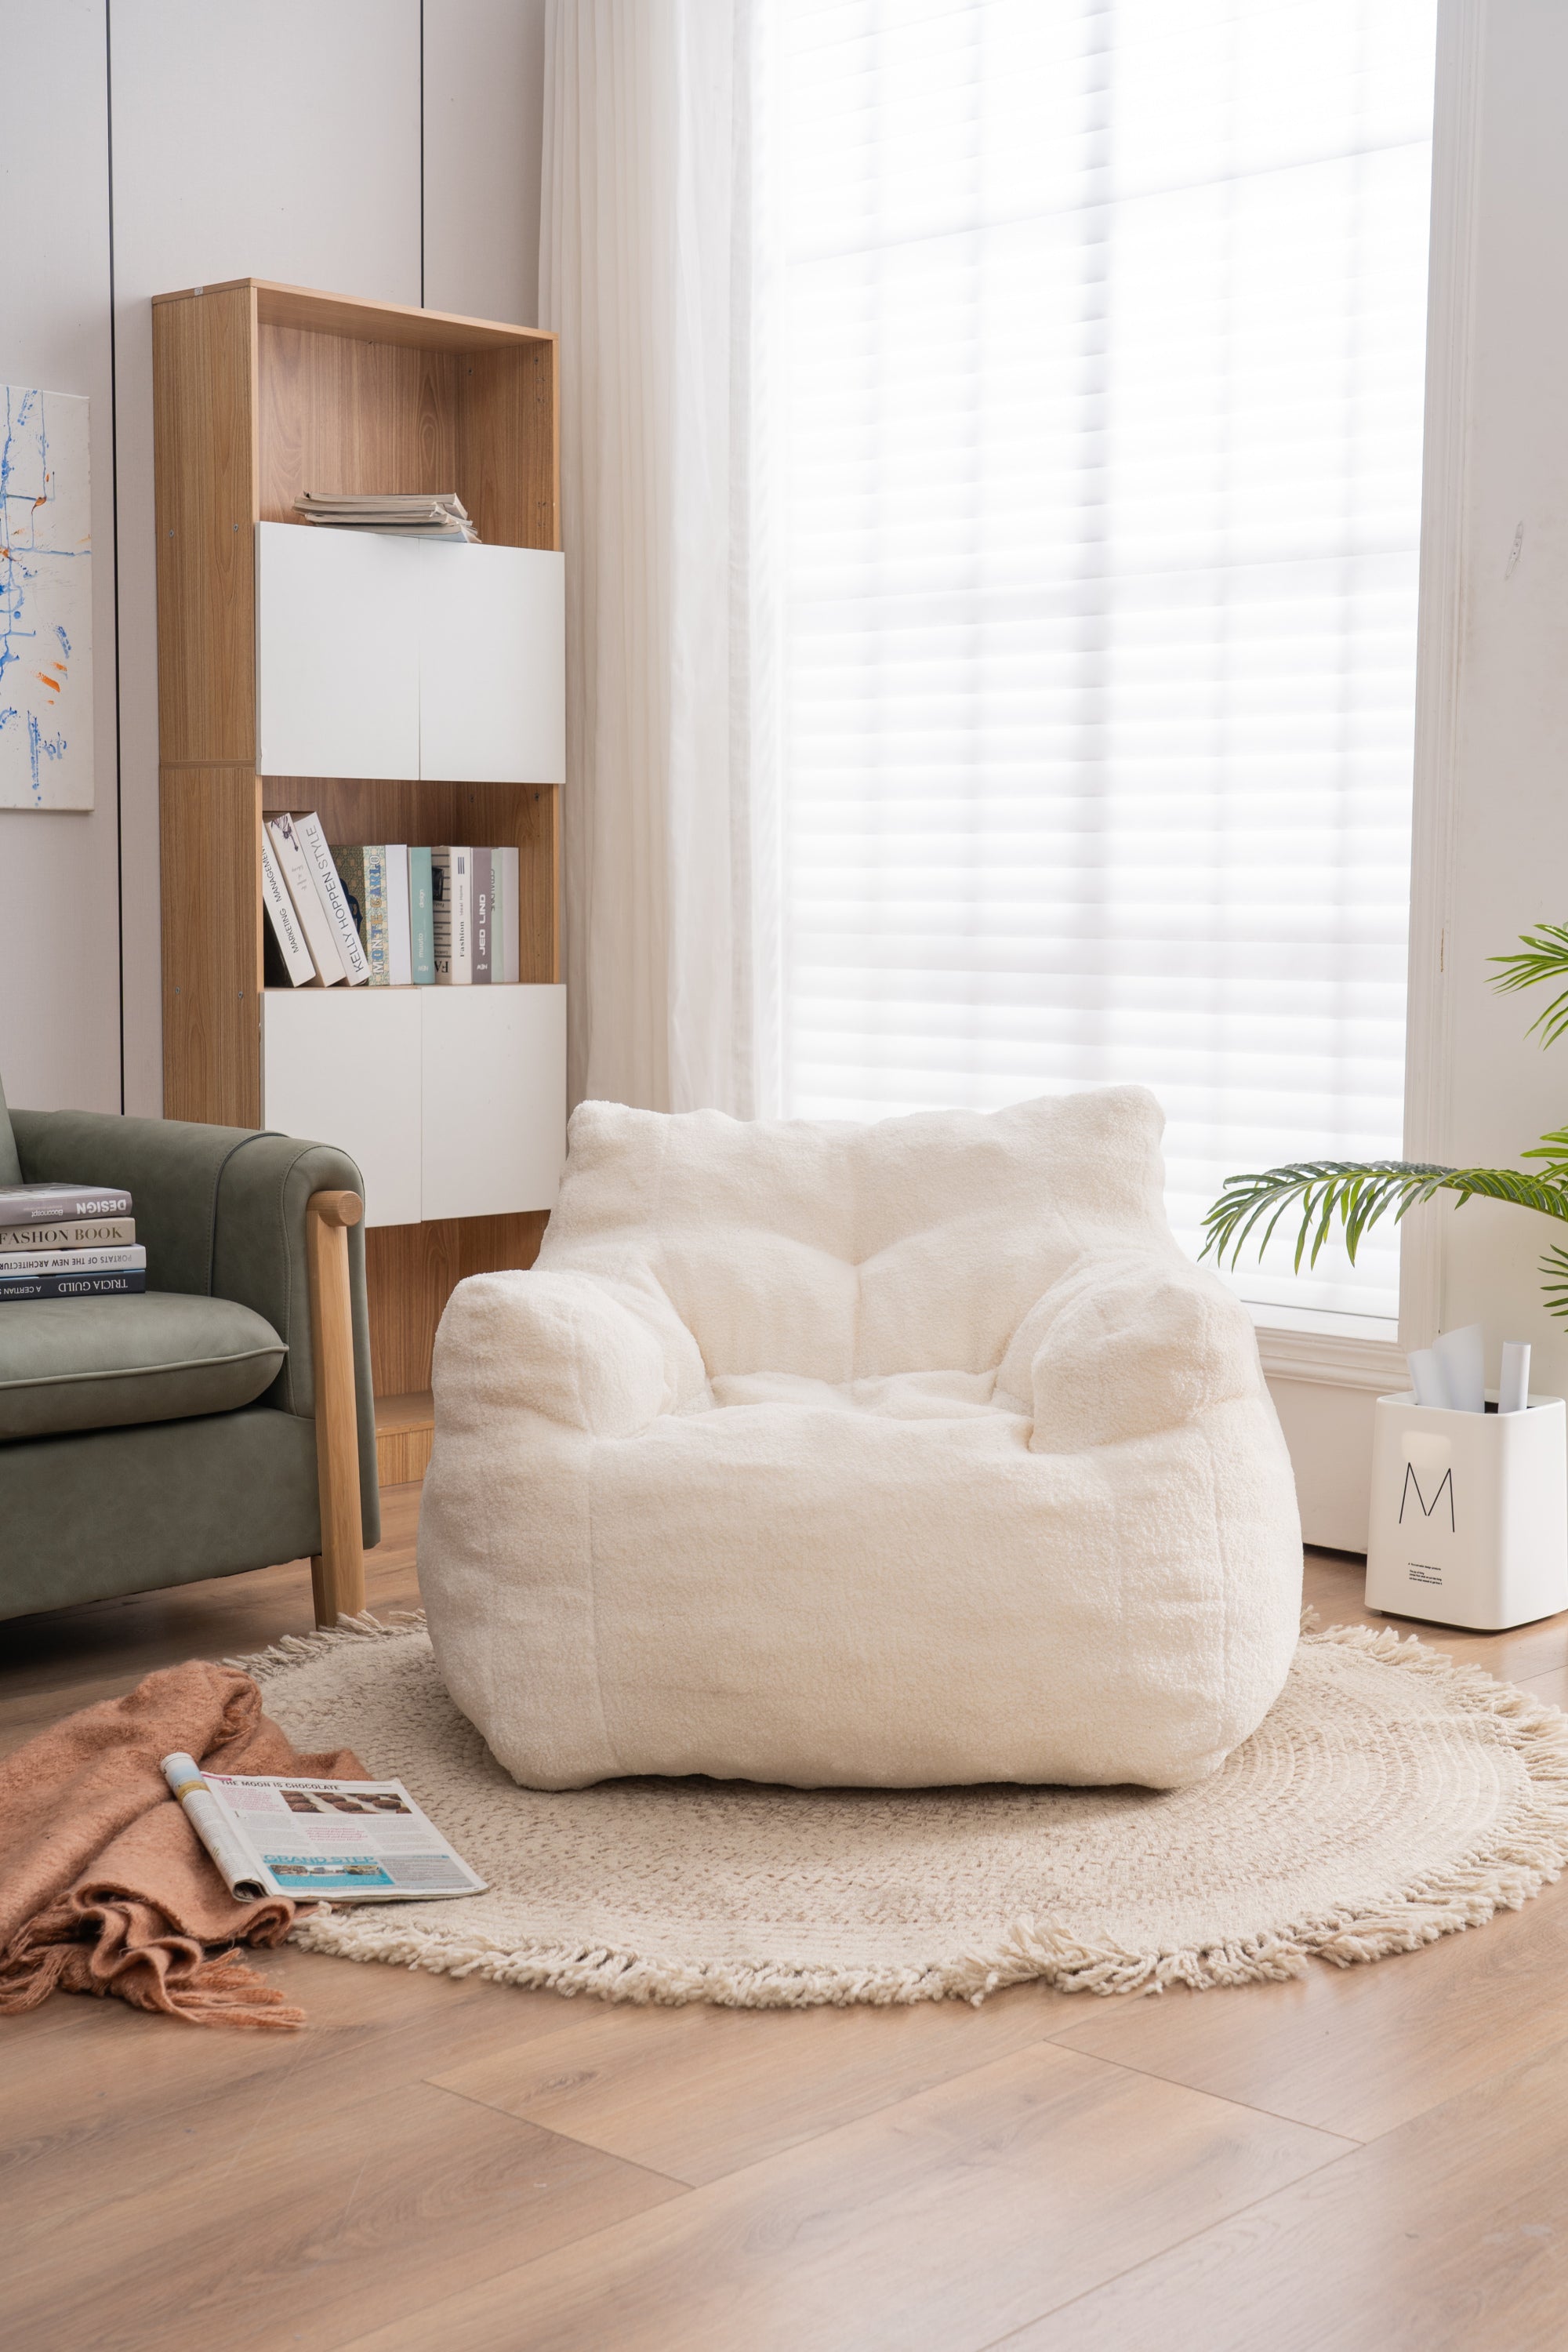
(495, 1098)
(344, 1069)
(492, 665)
(337, 630)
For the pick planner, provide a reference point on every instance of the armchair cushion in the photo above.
(909, 1452)
(105, 1364)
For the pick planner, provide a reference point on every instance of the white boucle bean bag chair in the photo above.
(895, 1455)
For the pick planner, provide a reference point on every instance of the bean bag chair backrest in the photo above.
(842, 1251)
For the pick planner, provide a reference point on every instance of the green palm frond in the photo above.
(1554, 1282)
(1545, 957)
(1358, 1196)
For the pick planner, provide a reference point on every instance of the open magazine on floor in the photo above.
(343, 1841)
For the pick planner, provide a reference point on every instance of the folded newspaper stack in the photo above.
(408, 514)
(349, 1840)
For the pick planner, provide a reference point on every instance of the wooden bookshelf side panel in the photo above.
(339, 414)
(203, 437)
(211, 865)
(509, 445)
(411, 1271)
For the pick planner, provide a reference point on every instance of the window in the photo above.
(1098, 438)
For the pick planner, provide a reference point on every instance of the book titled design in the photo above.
(69, 1234)
(421, 928)
(452, 915)
(17, 1264)
(41, 1204)
(70, 1286)
(399, 953)
(324, 875)
(483, 862)
(283, 922)
(295, 868)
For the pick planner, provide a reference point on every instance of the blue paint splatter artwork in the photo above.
(46, 600)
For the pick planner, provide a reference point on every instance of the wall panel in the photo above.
(59, 981)
(484, 106)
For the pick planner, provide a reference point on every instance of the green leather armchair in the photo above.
(222, 1420)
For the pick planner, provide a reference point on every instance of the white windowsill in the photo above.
(1351, 1352)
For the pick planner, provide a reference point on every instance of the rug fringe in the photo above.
(298, 1649)
(1502, 1876)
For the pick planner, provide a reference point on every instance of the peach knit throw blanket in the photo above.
(104, 1886)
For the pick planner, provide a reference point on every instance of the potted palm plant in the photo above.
(1353, 1195)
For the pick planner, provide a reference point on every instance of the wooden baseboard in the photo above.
(405, 1426)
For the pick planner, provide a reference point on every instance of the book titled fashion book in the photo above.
(37, 1204)
(69, 1234)
(15, 1288)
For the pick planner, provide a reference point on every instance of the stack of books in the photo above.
(405, 514)
(67, 1241)
(386, 915)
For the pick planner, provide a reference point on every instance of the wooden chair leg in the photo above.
(337, 1572)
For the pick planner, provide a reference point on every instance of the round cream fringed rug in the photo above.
(1391, 1798)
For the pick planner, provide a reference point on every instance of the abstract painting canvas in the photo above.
(46, 602)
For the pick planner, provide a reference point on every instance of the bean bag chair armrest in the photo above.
(1126, 1346)
(606, 1359)
(221, 1211)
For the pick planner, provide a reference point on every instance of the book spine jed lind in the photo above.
(69, 1233)
(282, 921)
(452, 910)
(483, 930)
(72, 1285)
(421, 931)
(296, 872)
(399, 953)
(37, 1204)
(324, 875)
(19, 1263)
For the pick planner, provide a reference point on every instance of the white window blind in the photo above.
(1098, 430)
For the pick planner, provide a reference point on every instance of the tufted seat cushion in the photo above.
(105, 1364)
(913, 1451)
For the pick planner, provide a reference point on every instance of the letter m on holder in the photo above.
(1413, 1484)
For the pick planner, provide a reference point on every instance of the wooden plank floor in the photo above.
(1377, 2158)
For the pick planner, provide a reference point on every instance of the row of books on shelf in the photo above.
(67, 1241)
(388, 915)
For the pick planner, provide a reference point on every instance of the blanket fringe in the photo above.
(1529, 1853)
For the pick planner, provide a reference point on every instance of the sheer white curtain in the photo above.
(1102, 330)
(992, 437)
(644, 269)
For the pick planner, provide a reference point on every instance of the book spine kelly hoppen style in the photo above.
(324, 875)
(421, 933)
(296, 871)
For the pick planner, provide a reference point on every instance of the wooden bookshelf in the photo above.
(260, 392)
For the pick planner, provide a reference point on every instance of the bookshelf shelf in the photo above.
(262, 391)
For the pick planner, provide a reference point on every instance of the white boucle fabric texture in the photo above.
(902, 1455)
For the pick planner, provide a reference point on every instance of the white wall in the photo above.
(287, 139)
(1491, 852)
